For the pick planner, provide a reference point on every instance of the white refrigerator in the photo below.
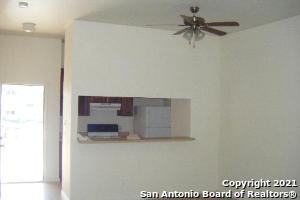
(152, 121)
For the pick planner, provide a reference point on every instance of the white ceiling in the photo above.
(51, 16)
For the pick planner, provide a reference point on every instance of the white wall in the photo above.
(113, 60)
(34, 60)
(260, 132)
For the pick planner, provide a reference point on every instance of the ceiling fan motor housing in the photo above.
(194, 9)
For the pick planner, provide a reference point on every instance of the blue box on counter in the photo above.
(102, 128)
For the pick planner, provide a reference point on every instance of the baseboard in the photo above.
(51, 180)
(64, 196)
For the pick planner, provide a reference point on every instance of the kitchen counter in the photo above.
(84, 139)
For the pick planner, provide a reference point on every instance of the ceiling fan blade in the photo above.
(181, 31)
(214, 31)
(166, 25)
(223, 24)
(187, 19)
(200, 21)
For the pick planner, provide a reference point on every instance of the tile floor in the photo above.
(31, 191)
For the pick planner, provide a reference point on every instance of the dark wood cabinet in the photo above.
(114, 99)
(101, 99)
(97, 99)
(84, 104)
(126, 106)
(61, 91)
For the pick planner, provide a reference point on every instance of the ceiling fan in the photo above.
(196, 25)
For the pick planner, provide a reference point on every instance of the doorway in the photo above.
(22, 127)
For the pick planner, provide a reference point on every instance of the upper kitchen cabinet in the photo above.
(97, 99)
(102, 99)
(84, 104)
(114, 99)
(61, 90)
(126, 106)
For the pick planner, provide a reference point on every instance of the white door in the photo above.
(22, 133)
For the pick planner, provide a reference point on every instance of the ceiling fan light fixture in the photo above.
(28, 27)
(199, 35)
(188, 35)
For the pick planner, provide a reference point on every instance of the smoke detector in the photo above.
(23, 4)
(29, 27)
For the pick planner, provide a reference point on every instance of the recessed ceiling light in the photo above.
(28, 27)
(23, 4)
